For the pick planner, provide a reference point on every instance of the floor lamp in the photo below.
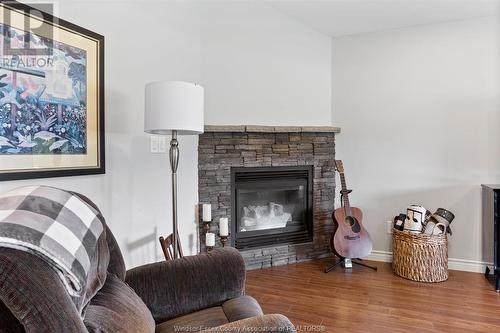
(174, 108)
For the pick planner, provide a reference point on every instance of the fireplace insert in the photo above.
(271, 205)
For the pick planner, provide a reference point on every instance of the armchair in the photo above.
(201, 292)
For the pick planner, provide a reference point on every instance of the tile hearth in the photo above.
(224, 147)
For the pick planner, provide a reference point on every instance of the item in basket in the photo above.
(439, 222)
(426, 217)
(415, 219)
(399, 222)
(434, 228)
(429, 228)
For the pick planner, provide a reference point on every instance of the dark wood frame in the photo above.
(101, 169)
(167, 246)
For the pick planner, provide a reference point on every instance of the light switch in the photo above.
(162, 144)
(154, 144)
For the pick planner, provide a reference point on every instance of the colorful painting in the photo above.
(51, 96)
(42, 98)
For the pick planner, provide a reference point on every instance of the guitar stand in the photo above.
(343, 260)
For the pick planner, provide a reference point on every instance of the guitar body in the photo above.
(350, 240)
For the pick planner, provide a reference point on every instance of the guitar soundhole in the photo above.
(353, 223)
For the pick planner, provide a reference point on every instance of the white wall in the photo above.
(145, 41)
(257, 66)
(261, 67)
(420, 115)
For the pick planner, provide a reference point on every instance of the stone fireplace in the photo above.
(275, 184)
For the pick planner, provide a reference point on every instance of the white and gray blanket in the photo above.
(56, 226)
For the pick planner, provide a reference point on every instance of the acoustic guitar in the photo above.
(350, 239)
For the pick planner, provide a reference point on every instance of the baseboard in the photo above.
(384, 256)
(468, 265)
(453, 263)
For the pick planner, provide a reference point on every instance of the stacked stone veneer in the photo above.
(223, 147)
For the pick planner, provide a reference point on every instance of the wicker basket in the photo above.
(420, 257)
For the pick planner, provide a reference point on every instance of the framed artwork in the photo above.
(51, 96)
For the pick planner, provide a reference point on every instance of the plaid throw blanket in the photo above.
(56, 226)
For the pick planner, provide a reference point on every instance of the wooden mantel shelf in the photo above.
(271, 129)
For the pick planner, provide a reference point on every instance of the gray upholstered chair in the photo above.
(196, 293)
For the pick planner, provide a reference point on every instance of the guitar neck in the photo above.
(345, 196)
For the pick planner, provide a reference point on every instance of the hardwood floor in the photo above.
(366, 301)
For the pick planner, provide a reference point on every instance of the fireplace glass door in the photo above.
(271, 206)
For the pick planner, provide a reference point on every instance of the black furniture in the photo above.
(491, 230)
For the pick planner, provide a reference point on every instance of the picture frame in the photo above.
(51, 96)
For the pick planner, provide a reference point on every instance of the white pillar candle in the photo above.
(207, 212)
(210, 239)
(224, 226)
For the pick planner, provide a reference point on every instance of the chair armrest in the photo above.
(263, 324)
(35, 296)
(177, 287)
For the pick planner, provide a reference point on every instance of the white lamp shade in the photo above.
(173, 105)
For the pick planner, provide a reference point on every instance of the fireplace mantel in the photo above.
(271, 129)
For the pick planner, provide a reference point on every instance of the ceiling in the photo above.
(347, 17)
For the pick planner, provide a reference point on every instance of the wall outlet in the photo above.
(389, 226)
(153, 142)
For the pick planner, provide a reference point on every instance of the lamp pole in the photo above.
(173, 108)
(174, 163)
